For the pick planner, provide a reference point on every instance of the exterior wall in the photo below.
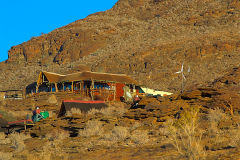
(155, 92)
(119, 91)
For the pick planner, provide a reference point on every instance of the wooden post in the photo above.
(81, 89)
(63, 87)
(72, 86)
(25, 125)
(37, 89)
(56, 87)
(92, 88)
(115, 89)
(51, 87)
(24, 93)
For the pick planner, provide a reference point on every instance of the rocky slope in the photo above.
(147, 39)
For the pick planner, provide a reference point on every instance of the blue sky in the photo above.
(23, 19)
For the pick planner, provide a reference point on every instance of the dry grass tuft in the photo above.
(185, 134)
(135, 126)
(19, 114)
(216, 115)
(4, 139)
(73, 111)
(93, 128)
(117, 134)
(234, 132)
(93, 111)
(7, 116)
(116, 109)
(120, 133)
(17, 141)
(2, 135)
(6, 156)
(139, 136)
(57, 134)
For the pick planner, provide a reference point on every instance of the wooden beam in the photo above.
(92, 87)
(115, 90)
(81, 88)
(56, 87)
(37, 89)
(72, 86)
(24, 92)
(25, 125)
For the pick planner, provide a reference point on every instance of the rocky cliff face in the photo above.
(147, 39)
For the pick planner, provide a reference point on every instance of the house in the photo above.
(91, 84)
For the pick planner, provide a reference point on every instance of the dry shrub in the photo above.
(3, 139)
(57, 134)
(108, 111)
(105, 111)
(73, 111)
(225, 135)
(50, 151)
(6, 156)
(185, 134)
(2, 135)
(116, 109)
(53, 148)
(118, 134)
(105, 142)
(139, 136)
(215, 116)
(17, 140)
(39, 156)
(93, 128)
(93, 111)
(235, 136)
(19, 114)
(119, 108)
(235, 133)
(135, 126)
(7, 116)
(163, 131)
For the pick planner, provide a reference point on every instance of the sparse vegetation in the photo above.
(73, 111)
(140, 137)
(57, 134)
(186, 136)
(147, 39)
(6, 156)
(117, 109)
(17, 141)
(7, 116)
(93, 128)
(118, 134)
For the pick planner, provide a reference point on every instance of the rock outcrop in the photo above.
(148, 40)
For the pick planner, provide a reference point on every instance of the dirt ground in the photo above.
(185, 126)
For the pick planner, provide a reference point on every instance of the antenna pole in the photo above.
(182, 83)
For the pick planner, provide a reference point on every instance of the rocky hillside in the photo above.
(147, 39)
